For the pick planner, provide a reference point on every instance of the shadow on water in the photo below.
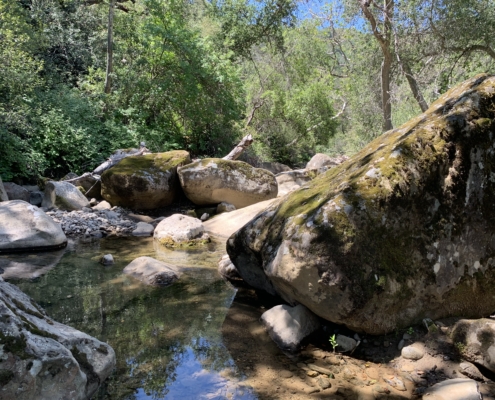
(167, 340)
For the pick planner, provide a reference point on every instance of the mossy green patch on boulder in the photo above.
(403, 230)
(145, 181)
(214, 180)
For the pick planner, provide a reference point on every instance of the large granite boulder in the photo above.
(63, 195)
(26, 227)
(144, 182)
(214, 180)
(3, 193)
(403, 230)
(48, 360)
(152, 272)
(16, 192)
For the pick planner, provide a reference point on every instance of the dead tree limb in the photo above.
(237, 150)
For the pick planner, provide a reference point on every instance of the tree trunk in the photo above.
(237, 150)
(383, 37)
(413, 84)
(386, 104)
(108, 76)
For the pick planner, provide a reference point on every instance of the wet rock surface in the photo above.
(43, 359)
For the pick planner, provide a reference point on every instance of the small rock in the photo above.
(87, 210)
(406, 336)
(470, 370)
(93, 202)
(321, 370)
(345, 343)
(204, 217)
(324, 383)
(107, 259)
(143, 229)
(413, 352)
(400, 345)
(286, 374)
(225, 207)
(103, 205)
(311, 373)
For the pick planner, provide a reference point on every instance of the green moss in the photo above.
(16, 346)
(21, 306)
(158, 162)
(262, 175)
(169, 242)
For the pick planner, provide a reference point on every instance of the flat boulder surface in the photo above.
(26, 227)
(403, 230)
(48, 360)
(214, 180)
(144, 182)
(63, 195)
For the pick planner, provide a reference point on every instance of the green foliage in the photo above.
(293, 93)
(244, 24)
(333, 342)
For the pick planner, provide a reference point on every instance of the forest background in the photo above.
(82, 78)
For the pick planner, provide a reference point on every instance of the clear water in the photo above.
(167, 340)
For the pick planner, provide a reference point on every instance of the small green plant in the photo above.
(460, 347)
(410, 330)
(333, 342)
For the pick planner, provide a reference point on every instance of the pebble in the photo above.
(324, 383)
(400, 346)
(412, 352)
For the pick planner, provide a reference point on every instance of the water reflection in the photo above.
(167, 340)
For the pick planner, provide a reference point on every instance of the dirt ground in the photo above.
(375, 370)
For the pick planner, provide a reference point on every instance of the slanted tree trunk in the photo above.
(237, 150)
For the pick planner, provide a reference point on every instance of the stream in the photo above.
(167, 341)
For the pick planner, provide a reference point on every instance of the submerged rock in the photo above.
(63, 195)
(144, 182)
(152, 272)
(403, 230)
(214, 180)
(48, 360)
(26, 227)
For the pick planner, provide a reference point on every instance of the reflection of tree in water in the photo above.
(152, 330)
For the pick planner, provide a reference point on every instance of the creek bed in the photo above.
(167, 340)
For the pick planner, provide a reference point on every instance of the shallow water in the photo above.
(167, 340)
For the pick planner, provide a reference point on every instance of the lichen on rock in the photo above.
(403, 230)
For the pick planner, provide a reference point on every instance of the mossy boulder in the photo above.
(48, 360)
(144, 182)
(3, 194)
(214, 180)
(403, 230)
